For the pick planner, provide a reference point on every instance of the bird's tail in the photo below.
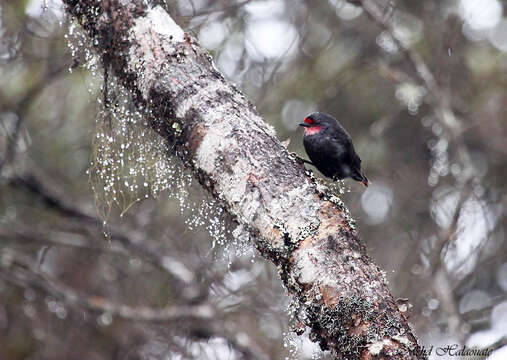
(358, 175)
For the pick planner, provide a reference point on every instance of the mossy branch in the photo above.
(342, 296)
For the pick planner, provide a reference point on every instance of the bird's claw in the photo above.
(300, 159)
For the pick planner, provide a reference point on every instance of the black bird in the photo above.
(330, 148)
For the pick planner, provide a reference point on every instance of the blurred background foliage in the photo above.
(434, 217)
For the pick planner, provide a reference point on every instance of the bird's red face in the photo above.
(311, 126)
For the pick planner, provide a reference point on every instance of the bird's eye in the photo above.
(309, 120)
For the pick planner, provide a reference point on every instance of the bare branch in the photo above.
(21, 270)
(303, 229)
(440, 100)
(35, 185)
(22, 107)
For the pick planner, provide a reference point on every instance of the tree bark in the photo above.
(303, 229)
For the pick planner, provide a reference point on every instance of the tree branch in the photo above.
(36, 186)
(21, 108)
(439, 99)
(23, 271)
(305, 231)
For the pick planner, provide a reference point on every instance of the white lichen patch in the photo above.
(159, 25)
(201, 94)
(297, 207)
(254, 119)
(219, 145)
(376, 347)
(217, 141)
(306, 272)
(152, 37)
(402, 339)
(158, 20)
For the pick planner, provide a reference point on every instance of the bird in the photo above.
(330, 148)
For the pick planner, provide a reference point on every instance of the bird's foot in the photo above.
(300, 159)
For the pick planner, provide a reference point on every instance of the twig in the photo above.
(35, 185)
(22, 107)
(439, 99)
(19, 269)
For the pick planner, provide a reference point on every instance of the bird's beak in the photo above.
(304, 124)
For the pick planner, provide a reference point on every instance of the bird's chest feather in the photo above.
(325, 154)
(317, 148)
(312, 130)
(316, 143)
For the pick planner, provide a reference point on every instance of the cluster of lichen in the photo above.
(336, 322)
(129, 160)
(329, 192)
(309, 229)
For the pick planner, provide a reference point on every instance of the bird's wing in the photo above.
(341, 135)
(355, 158)
(345, 152)
(356, 172)
(339, 148)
